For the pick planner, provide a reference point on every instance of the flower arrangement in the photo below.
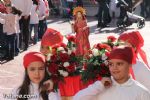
(63, 61)
(97, 63)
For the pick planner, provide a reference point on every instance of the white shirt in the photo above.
(34, 16)
(2, 21)
(142, 73)
(11, 23)
(42, 10)
(130, 90)
(35, 94)
(23, 5)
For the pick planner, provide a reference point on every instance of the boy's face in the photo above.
(119, 69)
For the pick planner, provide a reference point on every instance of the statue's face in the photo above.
(79, 14)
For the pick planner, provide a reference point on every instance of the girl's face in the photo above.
(7, 1)
(45, 50)
(79, 15)
(36, 71)
(9, 9)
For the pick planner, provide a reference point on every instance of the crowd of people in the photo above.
(32, 14)
(48, 78)
(18, 18)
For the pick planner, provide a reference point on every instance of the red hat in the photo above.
(134, 38)
(33, 57)
(125, 53)
(51, 37)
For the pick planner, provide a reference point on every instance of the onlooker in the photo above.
(11, 28)
(79, 3)
(42, 18)
(103, 13)
(70, 5)
(25, 7)
(34, 20)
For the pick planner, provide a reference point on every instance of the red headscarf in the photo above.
(125, 53)
(33, 57)
(51, 37)
(135, 39)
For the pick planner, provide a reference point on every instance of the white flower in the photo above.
(60, 71)
(73, 49)
(49, 57)
(104, 57)
(106, 62)
(63, 73)
(95, 52)
(69, 52)
(66, 64)
(90, 55)
(64, 51)
(60, 49)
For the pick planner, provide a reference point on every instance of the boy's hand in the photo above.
(106, 81)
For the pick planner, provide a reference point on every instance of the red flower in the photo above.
(53, 58)
(100, 46)
(71, 38)
(111, 38)
(64, 57)
(103, 72)
(102, 65)
(56, 46)
(107, 54)
(63, 45)
(53, 68)
(70, 68)
(55, 79)
(72, 54)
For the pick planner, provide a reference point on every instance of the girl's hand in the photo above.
(106, 81)
(48, 85)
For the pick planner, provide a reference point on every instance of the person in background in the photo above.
(70, 6)
(25, 7)
(34, 20)
(42, 18)
(2, 10)
(103, 13)
(79, 3)
(121, 86)
(50, 38)
(141, 69)
(12, 30)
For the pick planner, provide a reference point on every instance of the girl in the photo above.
(141, 69)
(33, 86)
(82, 31)
(11, 28)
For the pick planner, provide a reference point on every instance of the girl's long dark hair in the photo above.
(24, 88)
